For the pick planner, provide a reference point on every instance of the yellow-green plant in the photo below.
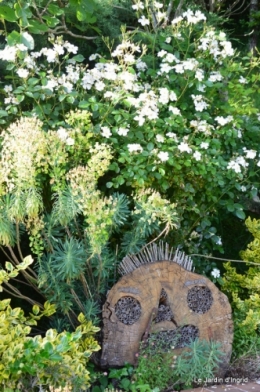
(56, 359)
(244, 289)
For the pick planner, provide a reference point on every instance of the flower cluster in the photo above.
(24, 147)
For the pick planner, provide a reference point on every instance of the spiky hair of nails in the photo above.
(154, 253)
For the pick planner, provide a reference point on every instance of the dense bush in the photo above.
(154, 137)
(56, 359)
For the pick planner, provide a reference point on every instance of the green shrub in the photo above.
(55, 359)
(243, 290)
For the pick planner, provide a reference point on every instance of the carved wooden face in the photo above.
(166, 299)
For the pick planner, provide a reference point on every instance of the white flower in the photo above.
(168, 40)
(22, 47)
(138, 6)
(106, 132)
(62, 134)
(50, 54)
(243, 188)
(201, 87)
(177, 20)
(239, 133)
(144, 21)
(99, 86)
(23, 73)
(193, 18)
(170, 58)
(163, 156)
(172, 135)
(202, 126)
(199, 103)
(94, 56)
(190, 64)
(141, 65)
(250, 154)
(215, 273)
(122, 131)
(129, 58)
(235, 164)
(159, 138)
(227, 49)
(204, 145)
(51, 84)
(164, 68)
(223, 121)
(59, 49)
(242, 80)
(134, 147)
(173, 96)
(215, 77)
(162, 53)
(199, 74)
(197, 155)
(184, 147)
(8, 88)
(164, 95)
(70, 141)
(179, 68)
(68, 87)
(70, 48)
(8, 53)
(175, 110)
(110, 94)
(157, 5)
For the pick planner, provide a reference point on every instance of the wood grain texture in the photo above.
(163, 296)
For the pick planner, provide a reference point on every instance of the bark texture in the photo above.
(163, 298)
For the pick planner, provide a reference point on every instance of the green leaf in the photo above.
(83, 104)
(9, 266)
(51, 20)
(150, 146)
(240, 214)
(10, 66)
(7, 13)
(55, 10)
(20, 98)
(23, 13)
(37, 27)
(109, 184)
(36, 309)
(13, 38)
(78, 58)
(3, 113)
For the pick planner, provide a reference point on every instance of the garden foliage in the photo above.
(157, 137)
(243, 290)
(56, 359)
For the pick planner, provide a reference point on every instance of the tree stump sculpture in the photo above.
(159, 293)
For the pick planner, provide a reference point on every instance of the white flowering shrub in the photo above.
(172, 123)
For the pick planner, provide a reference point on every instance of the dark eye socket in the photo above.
(128, 310)
(199, 299)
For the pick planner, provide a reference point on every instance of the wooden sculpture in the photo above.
(159, 293)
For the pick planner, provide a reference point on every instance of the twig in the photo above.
(220, 258)
(16, 293)
(165, 230)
